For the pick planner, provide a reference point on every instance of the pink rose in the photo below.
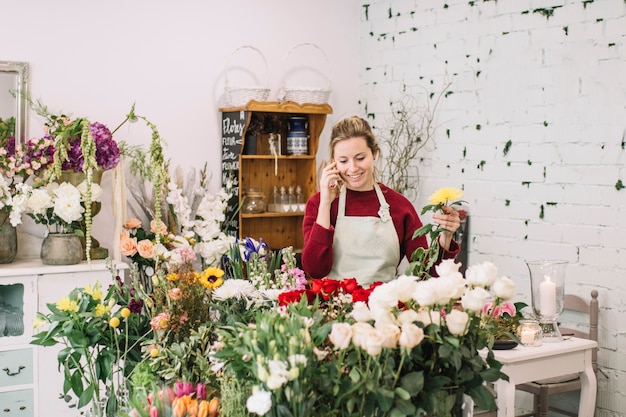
(128, 246)
(175, 294)
(132, 223)
(145, 248)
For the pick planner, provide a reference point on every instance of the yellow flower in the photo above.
(172, 277)
(125, 312)
(65, 304)
(114, 322)
(443, 195)
(101, 310)
(154, 352)
(211, 277)
(94, 291)
(39, 321)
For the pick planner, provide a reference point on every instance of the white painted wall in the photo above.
(95, 59)
(556, 88)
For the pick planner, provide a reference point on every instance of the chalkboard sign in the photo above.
(233, 123)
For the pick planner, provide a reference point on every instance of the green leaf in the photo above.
(86, 397)
(413, 382)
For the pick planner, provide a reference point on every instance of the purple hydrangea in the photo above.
(107, 151)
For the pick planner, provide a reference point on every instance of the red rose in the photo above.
(329, 287)
(316, 285)
(361, 294)
(349, 285)
(289, 297)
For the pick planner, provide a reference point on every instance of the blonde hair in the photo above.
(353, 127)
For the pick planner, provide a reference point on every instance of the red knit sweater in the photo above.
(317, 254)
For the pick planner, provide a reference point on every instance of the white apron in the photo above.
(365, 248)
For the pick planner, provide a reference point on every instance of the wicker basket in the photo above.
(238, 95)
(309, 94)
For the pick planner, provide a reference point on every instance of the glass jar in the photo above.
(254, 201)
(529, 332)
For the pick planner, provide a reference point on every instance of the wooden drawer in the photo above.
(16, 368)
(17, 403)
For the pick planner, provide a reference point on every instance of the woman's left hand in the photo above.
(449, 221)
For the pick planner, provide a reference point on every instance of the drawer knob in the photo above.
(9, 373)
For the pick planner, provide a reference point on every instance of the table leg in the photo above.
(505, 392)
(588, 388)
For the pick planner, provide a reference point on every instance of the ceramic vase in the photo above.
(61, 249)
(8, 239)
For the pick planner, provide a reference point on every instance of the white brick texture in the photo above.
(550, 77)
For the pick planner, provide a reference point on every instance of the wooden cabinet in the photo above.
(30, 382)
(266, 164)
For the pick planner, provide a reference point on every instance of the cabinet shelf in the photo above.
(259, 169)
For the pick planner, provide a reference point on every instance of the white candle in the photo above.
(547, 297)
(528, 336)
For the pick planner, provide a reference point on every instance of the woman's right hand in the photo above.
(330, 181)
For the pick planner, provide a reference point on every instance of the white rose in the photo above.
(39, 201)
(447, 267)
(456, 321)
(373, 342)
(405, 286)
(504, 288)
(96, 190)
(411, 336)
(483, 274)
(408, 317)
(429, 316)
(360, 331)
(260, 402)
(361, 312)
(390, 334)
(383, 298)
(67, 202)
(475, 299)
(425, 293)
(340, 335)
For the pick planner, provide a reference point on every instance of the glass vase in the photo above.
(547, 283)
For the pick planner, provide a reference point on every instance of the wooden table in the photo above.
(524, 364)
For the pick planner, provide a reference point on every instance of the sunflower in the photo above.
(212, 277)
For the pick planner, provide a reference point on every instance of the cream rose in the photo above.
(483, 274)
(373, 342)
(360, 312)
(456, 322)
(410, 336)
(390, 334)
(340, 335)
(145, 248)
(503, 288)
(475, 299)
(425, 293)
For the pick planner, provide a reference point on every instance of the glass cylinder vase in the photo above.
(547, 282)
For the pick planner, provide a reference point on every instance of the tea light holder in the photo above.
(529, 333)
(547, 282)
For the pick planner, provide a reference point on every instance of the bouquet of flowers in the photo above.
(183, 400)
(60, 207)
(101, 333)
(18, 164)
(401, 348)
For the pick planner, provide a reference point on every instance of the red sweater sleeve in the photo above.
(317, 254)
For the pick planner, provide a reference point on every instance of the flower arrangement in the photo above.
(183, 400)
(101, 339)
(423, 259)
(60, 207)
(506, 318)
(19, 164)
(412, 346)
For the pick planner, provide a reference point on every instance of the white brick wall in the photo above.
(556, 88)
